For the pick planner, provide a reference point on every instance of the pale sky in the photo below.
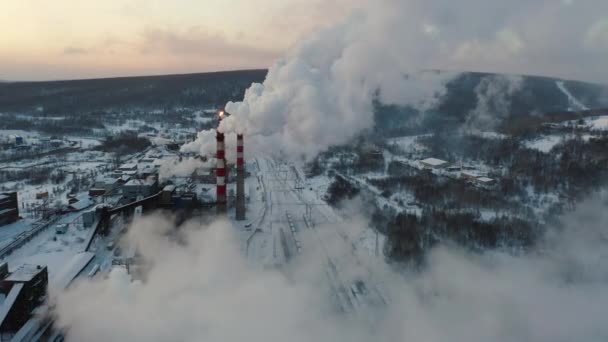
(64, 39)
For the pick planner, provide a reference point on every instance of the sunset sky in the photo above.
(66, 39)
(62, 39)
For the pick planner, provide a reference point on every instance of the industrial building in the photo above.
(140, 187)
(23, 290)
(434, 163)
(79, 203)
(106, 183)
(485, 181)
(128, 167)
(471, 175)
(9, 208)
(16, 140)
(89, 217)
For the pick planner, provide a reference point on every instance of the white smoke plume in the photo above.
(493, 101)
(320, 93)
(200, 288)
(175, 168)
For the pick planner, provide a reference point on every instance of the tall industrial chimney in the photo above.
(220, 172)
(240, 179)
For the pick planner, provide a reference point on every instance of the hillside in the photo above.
(67, 97)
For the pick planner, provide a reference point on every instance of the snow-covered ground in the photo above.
(599, 123)
(10, 231)
(488, 135)
(52, 249)
(544, 144)
(85, 143)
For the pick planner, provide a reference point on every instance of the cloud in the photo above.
(596, 36)
(73, 50)
(321, 92)
(198, 286)
(196, 41)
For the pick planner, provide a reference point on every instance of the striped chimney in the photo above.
(240, 178)
(220, 171)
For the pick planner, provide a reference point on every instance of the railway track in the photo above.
(25, 237)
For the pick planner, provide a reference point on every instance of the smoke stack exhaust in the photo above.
(220, 172)
(240, 178)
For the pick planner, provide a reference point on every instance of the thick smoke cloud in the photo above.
(199, 287)
(321, 92)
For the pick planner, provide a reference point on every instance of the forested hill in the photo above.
(61, 97)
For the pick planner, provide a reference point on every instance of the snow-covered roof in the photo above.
(433, 161)
(106, 180)
(81, 203)
(485, 180)
(137, 182)
(134, 182)
(24, 273)
(470, 174)
(71, 269)
(83, 197)
(129, 166)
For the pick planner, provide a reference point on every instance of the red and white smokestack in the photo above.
(220, 171)
(240, 178)
(240, 160)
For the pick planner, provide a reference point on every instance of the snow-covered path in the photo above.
(297, 222)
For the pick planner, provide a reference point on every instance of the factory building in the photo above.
(16, 140)
(106, 183)
(128, 167)
(140, 187)
(23, 291)
(89, 217)
(9, 208)
(79, 202)
(434, 163)
(485, 181)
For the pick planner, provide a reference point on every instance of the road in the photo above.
(295, 223)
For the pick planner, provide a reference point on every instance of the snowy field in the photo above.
(599, 123)
(544, 144)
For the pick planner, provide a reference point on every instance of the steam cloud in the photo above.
(321, 92)
(183, 168)
(199, 287)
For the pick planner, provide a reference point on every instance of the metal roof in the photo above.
(433, 161)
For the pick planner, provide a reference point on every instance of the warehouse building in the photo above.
(433, 163)
(9, 208)
(23, 290)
